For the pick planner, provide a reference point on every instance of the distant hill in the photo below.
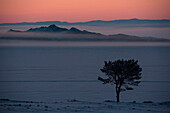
(55, 29)
(116, 23)
(56, 33)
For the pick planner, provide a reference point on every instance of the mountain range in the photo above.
(116, 23)
(55, 29)
(53, 32)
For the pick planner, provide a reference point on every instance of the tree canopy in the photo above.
(122, 73)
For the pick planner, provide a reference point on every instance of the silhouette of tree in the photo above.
(122, 73)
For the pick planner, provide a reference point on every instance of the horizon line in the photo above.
(80, 21)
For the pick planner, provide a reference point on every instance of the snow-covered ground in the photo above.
(49, 78)
(70, 106)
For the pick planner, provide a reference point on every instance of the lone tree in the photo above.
(122, 73)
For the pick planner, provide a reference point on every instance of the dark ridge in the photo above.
(51, 28)
(55, 29)
(85, 35)
(134, 22)
(11, 30)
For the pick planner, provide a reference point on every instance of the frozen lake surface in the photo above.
(60, 73)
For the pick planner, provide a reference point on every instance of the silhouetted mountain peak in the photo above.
(86, 35)
(74, 29)
(52, 26)
(56, 29)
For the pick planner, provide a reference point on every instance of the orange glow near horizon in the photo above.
(81, 10)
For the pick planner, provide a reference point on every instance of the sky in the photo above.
(12, 11)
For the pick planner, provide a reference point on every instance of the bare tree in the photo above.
(122, 73)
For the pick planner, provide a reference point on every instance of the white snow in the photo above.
(50, 76)
(70, 106)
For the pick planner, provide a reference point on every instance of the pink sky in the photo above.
(81, 10)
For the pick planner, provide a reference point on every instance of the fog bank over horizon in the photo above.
(156, 32)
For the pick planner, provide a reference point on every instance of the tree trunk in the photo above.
(117, 92)
(117, 96)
